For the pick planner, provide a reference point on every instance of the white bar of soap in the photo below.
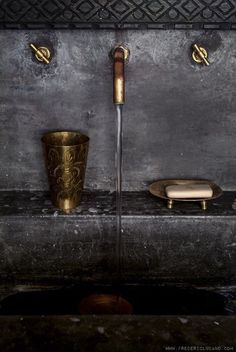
(189, 191)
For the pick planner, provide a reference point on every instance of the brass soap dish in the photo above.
(158, 190)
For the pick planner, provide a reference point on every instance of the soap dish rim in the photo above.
(157, 189)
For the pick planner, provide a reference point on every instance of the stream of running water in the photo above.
(119, 191)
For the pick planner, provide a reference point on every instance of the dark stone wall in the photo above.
(179, 118)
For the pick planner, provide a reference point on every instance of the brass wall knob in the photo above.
(124, 48)
(42, 53)
(200, 55)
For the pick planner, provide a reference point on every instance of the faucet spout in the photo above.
(120, 55)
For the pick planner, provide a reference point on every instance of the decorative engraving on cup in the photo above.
(66, 166)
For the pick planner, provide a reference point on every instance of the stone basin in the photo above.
(145, 299)
(178, 273)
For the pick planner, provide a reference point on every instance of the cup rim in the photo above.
(75, 133)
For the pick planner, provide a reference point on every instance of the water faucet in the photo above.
(120, 54)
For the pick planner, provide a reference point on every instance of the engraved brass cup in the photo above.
(66, 159)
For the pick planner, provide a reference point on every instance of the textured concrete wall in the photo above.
(179, 119)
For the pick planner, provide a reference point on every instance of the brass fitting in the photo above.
(200, 55)
(42, 54)
(120, 54)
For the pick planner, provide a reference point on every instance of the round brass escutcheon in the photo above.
(46, 53)
(42, 53)
(125, 49)
(200, 55)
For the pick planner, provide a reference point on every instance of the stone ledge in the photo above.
(140, 204)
